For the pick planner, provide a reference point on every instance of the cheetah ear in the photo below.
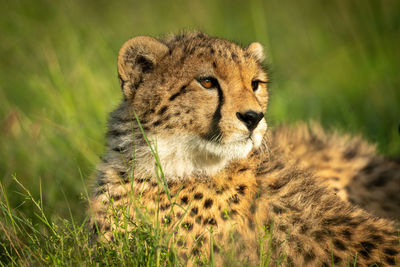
(257, 51)
(137, 57)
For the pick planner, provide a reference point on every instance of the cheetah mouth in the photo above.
(254, 138)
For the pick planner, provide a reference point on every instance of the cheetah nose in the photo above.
(250, 118)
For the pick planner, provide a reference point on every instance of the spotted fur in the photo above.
(348, 165)
(227, 183)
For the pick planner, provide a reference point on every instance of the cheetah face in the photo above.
(201, 96)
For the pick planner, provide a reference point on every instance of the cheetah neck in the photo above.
(186, 156)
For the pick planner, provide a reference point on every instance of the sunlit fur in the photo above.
(246, 192)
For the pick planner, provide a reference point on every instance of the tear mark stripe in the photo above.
(181, 92)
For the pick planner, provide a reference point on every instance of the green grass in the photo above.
(335, 62)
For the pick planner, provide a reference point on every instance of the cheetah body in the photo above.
(215, 177)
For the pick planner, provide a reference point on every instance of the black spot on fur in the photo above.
(157, 122)
(251, 223)
(198, 219)
(364, 254)
(253, 208)
(224, 215)
(187, 226)
(351, 152)
(368, 246)
(339, 244)
(347, 234)
(140, 180)
(379, 181)
(198, 196)
(336, 259)
(390, 260)
(376, 238)
(208, 203)
(390, 251)
(309, 256)
(277, 210)
(283, 227)
(241, 188)
(242, 170)
(215, 248)
(234, 199)
(184, 200)
(278, 184)
(277, 166)
(194, 211)
(214, 65)
(210, 221)
(304, 228)
(195, 251)
(220, 190)
(162, 110)
(318, 235)
(117, 197)
(369, 168)
(166, 219)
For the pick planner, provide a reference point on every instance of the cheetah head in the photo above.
(200, 99)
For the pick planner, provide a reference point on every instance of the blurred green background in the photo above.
(336, 62)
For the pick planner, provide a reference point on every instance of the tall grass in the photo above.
(335, 62)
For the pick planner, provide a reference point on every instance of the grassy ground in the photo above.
(335, 62)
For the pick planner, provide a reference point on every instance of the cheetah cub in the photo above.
(200, 160)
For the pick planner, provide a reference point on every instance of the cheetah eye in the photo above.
(208, 82)
(255, 84)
